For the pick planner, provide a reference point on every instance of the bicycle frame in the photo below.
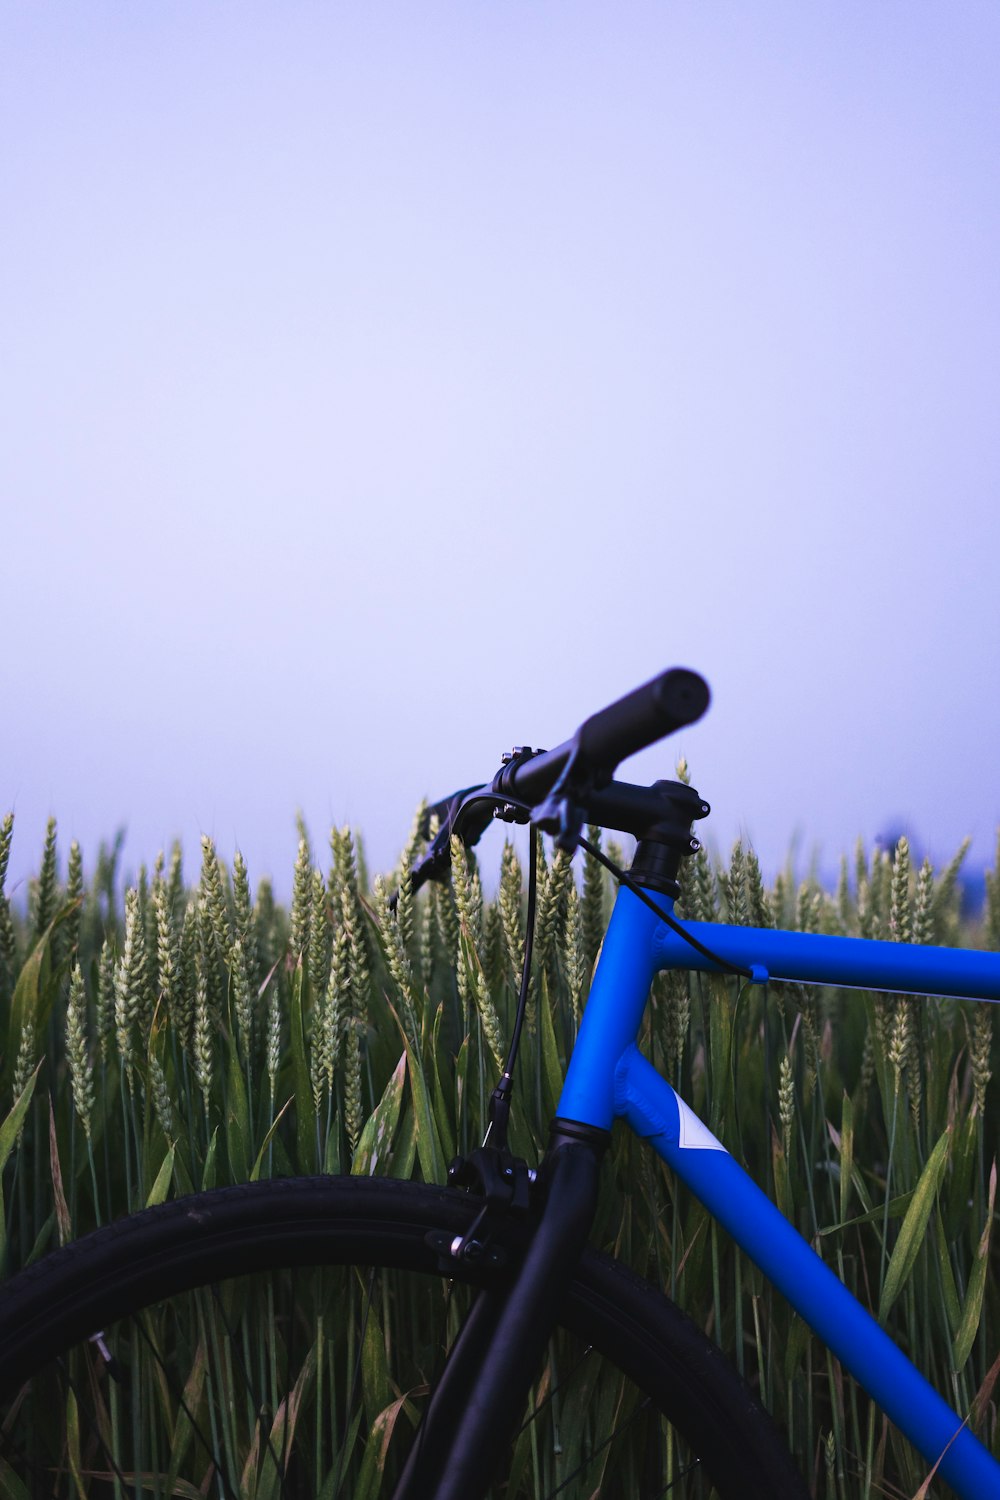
(608, 1079)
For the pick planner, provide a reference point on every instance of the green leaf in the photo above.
(973, 1307)
(896, 1208)
(796, 1345)
(331, 1158)
(911, 1234)
(553, 1074)
(237, 1117)
(964, 1153)
(343, 1459)
(208, 1172)
(248, 1483)
(949, 1289)
(58, 1193)
(304, 1113)
(44, 1235)
(280, 1161)
(371, 1159)
(429, 1148)
(369, 1483)
(782, 1187)
(405, 1149)
(255, 1170)
(283, 1431)
(846, 1155)
(23, 1008)
(73, 1443)
(720, 1026)
(33, 995)
(161, 1185)
(883, 1070)
(984, 1395)
(11, 1488)
(461, 1072)
(479, 990)
(15, 1118)
(182, 1177)
(376, 1387)
(428, 1144)
(576, 1418)
(445, 1125)
(8, 1136)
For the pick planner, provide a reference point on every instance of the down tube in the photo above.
(658, 1115)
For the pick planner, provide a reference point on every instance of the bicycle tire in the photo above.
(153, 1257)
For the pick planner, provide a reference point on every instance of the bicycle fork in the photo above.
(476, 1405)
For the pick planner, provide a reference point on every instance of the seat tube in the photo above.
(614, 1010)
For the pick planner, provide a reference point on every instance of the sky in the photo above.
(387, 385)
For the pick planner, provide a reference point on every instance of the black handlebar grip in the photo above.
(675, 698)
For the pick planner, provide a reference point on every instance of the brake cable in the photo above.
(625, 879)
(500, 1099)
(501, 1095)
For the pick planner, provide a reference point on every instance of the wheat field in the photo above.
(192, 1031)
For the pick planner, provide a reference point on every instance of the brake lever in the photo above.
(446, 811)
(563, 818)
(455, 817)
(459, 815)
(563, 814)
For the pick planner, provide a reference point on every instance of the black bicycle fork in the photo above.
(475, 1408)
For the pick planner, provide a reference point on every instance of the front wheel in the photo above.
(278, 1340)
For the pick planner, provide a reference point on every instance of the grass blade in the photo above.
(911, 1234)
(375, 1146)
(973, 1307)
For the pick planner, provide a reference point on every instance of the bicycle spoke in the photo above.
(355, 1380)
(563, 1383)
(615, 1433)
(256, 1396)
(179, 1397)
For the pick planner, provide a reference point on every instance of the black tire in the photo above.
(718, 1434)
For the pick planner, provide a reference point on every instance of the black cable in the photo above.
(672, 922)
(624, 879)
(529, 936)
(500, 1098)
(199, 1431)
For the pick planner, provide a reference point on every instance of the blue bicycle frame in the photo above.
(609, 1079)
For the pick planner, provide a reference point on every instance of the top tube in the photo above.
(848, 963)
(637, 943)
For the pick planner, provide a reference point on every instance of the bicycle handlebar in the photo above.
(666, 703)
(675, 698)
(581, 767)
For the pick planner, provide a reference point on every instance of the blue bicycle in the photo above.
(504, 1278)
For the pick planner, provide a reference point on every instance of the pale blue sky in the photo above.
(387, 384)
